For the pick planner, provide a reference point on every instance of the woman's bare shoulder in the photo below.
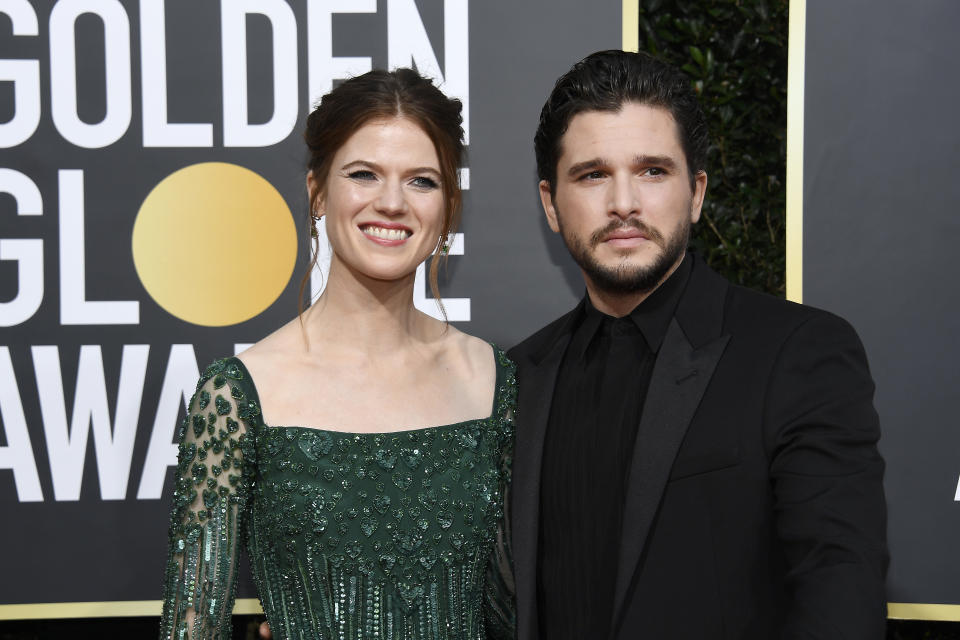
(473, 353)
(277, 351)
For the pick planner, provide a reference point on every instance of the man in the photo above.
(693, 459)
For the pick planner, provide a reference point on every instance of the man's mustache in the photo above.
(630, 223)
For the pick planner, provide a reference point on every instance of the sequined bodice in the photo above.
(387, 535)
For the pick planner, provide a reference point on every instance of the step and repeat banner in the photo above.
(880, 228)
(153, 218)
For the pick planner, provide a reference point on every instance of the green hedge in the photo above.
(736, 55)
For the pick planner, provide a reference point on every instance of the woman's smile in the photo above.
(388, 234)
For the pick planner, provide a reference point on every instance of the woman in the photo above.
(366, 468)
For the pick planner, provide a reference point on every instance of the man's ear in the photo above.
(699, 191)
(546, 199)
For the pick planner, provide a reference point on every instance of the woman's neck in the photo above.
(366, 315)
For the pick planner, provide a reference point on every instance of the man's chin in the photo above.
(619, 282)
(628, 277)
(631, 270)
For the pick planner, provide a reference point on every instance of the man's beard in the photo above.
(625, 278)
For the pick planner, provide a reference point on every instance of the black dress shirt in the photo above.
(597, 404)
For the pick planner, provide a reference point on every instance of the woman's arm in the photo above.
(209, 502)
(500, 591)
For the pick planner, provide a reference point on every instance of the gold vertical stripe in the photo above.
(796, 53)
(122, 609)
(631, 25)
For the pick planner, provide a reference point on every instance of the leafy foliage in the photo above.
(735, 53)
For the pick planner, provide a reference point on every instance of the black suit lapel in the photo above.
(537, 379)
(680, 377)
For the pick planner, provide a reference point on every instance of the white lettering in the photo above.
(324, 67)
(456, 57)
(157, 130)
(27, 253)
(18, 454)
(407, 43)
(179, 383)
(237, 130)
(318, 275)
(74, 306)
(25, 75)
(458, 309)
(63, 72)
(113, 445)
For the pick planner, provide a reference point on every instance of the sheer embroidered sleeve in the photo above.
(500, 592)
(211, 488)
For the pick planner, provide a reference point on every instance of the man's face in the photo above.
(623, 201)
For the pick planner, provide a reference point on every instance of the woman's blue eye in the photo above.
(425, 183)
(362, 174)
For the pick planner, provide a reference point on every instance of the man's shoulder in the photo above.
(713, 305)
(762, 314)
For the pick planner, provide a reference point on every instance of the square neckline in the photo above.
(497, 384)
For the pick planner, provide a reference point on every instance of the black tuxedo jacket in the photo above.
(755, 504)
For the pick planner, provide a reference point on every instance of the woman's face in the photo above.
(383, 199)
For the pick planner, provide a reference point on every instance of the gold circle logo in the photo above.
(214, 244)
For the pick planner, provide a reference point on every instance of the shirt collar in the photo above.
(652, 316)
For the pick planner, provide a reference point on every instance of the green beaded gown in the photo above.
(399, 535)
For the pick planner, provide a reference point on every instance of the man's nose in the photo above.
(623, 201)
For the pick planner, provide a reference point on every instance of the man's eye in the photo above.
(424, 182)
(655, 171)
(362, 174)
(593, 175)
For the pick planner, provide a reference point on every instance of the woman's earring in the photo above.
(314, 219)
(445, 246)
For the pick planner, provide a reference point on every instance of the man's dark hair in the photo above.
(604, 81)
